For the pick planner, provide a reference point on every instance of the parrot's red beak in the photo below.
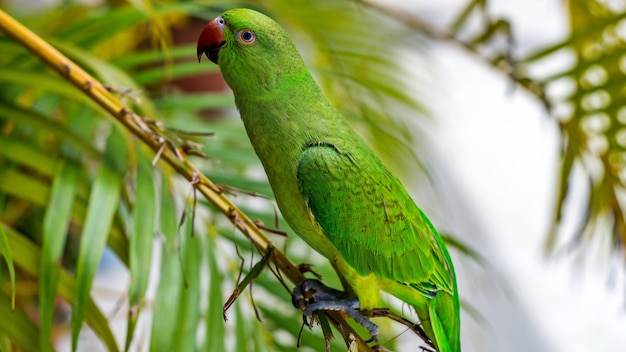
(211, 40)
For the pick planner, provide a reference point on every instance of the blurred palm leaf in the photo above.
(586, 96)
(591, 118)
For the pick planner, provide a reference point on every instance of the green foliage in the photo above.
(56, 222)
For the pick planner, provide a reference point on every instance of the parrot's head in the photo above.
(252, 50)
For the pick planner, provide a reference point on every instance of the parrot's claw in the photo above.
(312, 296)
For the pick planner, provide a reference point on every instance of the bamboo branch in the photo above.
(157, 142)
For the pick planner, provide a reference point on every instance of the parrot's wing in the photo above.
(368, 216)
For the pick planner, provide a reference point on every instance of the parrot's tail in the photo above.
(440, 321)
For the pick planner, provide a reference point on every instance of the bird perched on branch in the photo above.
(333, 191)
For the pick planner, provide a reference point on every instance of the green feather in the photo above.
(330, 187)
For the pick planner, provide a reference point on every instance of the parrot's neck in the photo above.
(283, 121)
(294, 105)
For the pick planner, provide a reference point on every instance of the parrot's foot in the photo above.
(312, 296)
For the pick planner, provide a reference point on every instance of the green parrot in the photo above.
(333, 191)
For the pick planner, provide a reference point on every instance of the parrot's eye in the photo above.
(247, 36)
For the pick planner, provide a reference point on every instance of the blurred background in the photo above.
(504, 119)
